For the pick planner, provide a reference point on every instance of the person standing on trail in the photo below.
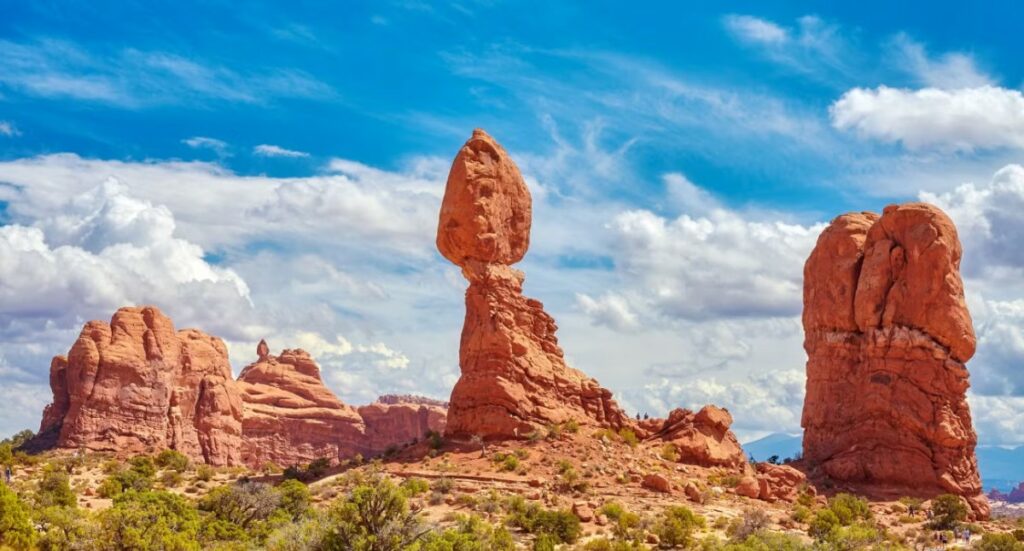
(7, 474)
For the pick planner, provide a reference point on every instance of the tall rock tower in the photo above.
(887, 334)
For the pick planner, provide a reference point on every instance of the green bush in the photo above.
(849, 508)
(16, 530)
(149, 521)
(471, 533)
(605, 544)
(415, 486)
(669, 452)
(625, 524)
(507, 461)
(442, 485)
(54, 489)
(629, 437)
(374, 516)
(138, 477)
(244, 504)
(948, 511)
(174, 460)
(753, 521)
(295, 498)
(762, 541)
(675, 526)
(562, 526)
(999, 542)
(6, 454)
(823, 524)
(204, 473)
(62, 528)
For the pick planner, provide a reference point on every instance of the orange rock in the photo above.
(514, 377)
(396, 420)
(748, 487)
(779, 482)
(138, 386)
(702, 438)
(657, 483)
(887, 333)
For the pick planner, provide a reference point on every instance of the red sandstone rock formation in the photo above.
(290, 416)
(138, 386)
(887, 337)
(1016, 495)
(701, 438)
(396, 420)
(514, 377)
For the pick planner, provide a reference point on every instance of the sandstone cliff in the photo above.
(887, 338)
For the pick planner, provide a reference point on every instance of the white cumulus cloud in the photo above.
(269, 150)
(961, 120)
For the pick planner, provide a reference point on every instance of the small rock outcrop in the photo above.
(1016, 495)
(887, 334)
(290, 416)
(701, 438)
(514, 376)
(136, 385)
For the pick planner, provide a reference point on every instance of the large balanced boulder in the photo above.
(136, 385)
(887, 334)
(514, 376)
(702, 438)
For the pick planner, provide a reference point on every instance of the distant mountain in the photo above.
(780, 444)
(1001, 468)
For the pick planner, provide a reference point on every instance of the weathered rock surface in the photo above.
(291, 417)
(701, 438)
(781, 483)
(396, 420)
(136, 385)
(514, 377)
(887, 333)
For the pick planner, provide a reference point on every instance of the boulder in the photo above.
(887, 334)
(780, 482)
(701, 438)
(657, 483)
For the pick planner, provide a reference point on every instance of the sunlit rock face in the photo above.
(887, 334)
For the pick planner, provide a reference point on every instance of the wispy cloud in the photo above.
(131, 78)
(8, 129)
(202, 142)
(269, 150)
(950, 70)
(755, 29)
(814, 47)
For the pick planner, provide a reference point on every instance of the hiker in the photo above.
(7, 474)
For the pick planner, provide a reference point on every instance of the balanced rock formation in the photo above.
(136, 385)
(887, 334)
(701, 438)
(290, 416)
(514, 377)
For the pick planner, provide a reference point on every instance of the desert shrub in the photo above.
(143, 465)
(435, 440)
(849, 508)
(625, 525)
(222, 533)
(823, 524)
(174, 460)
(545, 542)
(561, 525)
(801, 513)
(554, 432)
(762, 541)
(948, 511)
(18, 439)
(16, 530)
(856, 536)
(170, 479)
(999, 542)
(295, 498)
(137, 477)
(471, 533)
(753, 521)
(204, 473)
(62, 528)
(507, 461)
(6, 454)
(414, 486)
(151, 520)
(675, 526)
(54, 489)
(629, 437)
(318, 467)
(305, 535)
(572, 426)
(442, 485)
(605, 544)
(374, 516)
(243, 504)
(669, 452)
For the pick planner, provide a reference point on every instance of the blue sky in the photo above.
(275, 171)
